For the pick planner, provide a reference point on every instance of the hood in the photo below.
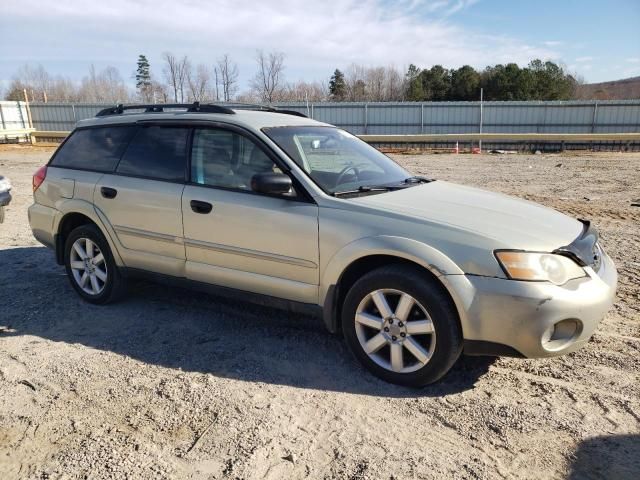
(511, 222)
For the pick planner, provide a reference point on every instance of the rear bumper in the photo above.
(533, 319)
(41, 220)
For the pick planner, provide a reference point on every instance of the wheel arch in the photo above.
(365, 255)
(72, 215)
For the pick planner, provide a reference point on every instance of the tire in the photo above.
(98, 280)
(411, 344)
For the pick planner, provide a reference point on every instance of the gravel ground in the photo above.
(175, 384)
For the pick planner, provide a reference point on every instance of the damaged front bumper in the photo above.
(533, 319)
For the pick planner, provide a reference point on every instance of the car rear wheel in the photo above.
(402, 326)
(90, 266)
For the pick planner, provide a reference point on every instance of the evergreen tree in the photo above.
(465, 84)
(436, 83)
(415, 92)
(550, 81)
(337, 86)
(143, 78)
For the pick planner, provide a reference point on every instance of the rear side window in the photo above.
(157, 152)
(97, 149)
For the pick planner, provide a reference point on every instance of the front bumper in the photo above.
(536, 319)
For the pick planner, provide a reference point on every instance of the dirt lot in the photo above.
(170, 383)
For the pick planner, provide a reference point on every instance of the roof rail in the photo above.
(290, 112)
(195, 107)
(263, 108)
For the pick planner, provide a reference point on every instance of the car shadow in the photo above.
(192, 331)
(615, 457)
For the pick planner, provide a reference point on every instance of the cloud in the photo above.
(316, 37)
(583, 59)
(633, 60)
(443, 7)
(552, 43)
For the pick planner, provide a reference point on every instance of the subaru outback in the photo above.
(275, 207)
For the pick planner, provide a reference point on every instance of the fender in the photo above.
(417, 252)
(89, 210)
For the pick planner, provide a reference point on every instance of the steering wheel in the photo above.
(344, 172)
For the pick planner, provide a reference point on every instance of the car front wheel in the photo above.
(402, 326)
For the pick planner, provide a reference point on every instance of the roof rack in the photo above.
(264, 108)
(195, 107)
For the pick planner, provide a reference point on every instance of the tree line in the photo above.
(179, 80)
(537, 81)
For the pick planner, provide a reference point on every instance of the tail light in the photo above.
(39, 177)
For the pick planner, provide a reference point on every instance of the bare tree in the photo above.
(356, 85)
(249, 96)
(376, 84)
(269, 78)
(395, 84)
(104, 86)
(228, 72)
(304, 92)
(175, 72)
(159, 92)
(35, 80)
(375, 81)
(199, 82)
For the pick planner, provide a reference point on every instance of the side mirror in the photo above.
(271, 183)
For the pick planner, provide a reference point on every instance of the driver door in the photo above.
(237, 238)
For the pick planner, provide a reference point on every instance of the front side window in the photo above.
(337, 160)
(222, 158)
(157, 152)
(96, 149)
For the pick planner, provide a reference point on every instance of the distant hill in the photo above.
(625, 89)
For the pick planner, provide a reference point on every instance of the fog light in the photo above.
(561, 334)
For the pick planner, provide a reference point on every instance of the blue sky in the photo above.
(599, 40)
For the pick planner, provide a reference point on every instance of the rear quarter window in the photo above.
(96, 149)
(157, 152)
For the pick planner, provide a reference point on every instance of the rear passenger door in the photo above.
(142, 199)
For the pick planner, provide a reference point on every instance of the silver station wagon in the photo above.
(271, 206)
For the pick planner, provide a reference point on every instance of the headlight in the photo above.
(541, 267)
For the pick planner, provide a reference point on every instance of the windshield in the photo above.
(337, 160)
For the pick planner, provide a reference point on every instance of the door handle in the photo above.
(200, 207)
(108, 192)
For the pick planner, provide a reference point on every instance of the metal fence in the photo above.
(13, 116)
(402, 118)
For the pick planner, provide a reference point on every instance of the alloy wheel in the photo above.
(88, 266)
(395, 330)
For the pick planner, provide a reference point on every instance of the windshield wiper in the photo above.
(384, 188)
(366, 189)
(418, 179)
